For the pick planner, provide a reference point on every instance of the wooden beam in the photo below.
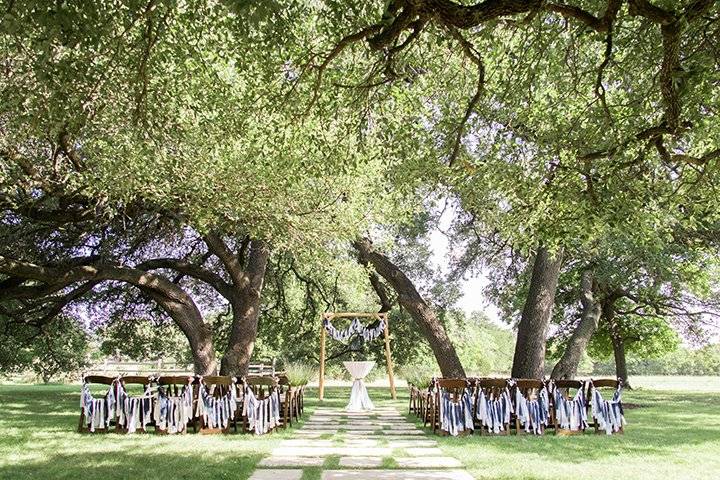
(388, 358)
(321, 386)
(353, 314)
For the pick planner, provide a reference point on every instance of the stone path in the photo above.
(380, 444)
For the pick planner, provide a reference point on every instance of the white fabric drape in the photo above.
(359, 398)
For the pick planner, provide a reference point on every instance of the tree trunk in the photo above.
(245, 304)
(566, 367)
(199, 335)
(529, 358)
(420, 311)
(620, 362)
(618, 345)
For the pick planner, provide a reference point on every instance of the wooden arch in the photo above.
(333, 315)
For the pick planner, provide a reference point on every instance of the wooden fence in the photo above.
(164, 367)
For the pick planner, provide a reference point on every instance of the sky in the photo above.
(472, 299)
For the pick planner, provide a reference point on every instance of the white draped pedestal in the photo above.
(359, 399)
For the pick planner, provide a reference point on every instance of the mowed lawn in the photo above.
(671, 434)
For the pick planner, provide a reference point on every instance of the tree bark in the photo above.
(198, 333)
(567, 366)
(618, 344)
(529, 358)
(245, 302)
(245, 270)
(620, 361)
(420, 311)
(171, 298)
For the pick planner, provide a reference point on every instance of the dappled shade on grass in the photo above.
(673, 435)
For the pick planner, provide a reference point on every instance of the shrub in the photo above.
(299, 373)
(418, 375)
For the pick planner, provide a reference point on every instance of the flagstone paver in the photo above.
(428, 462)
(317, 431)
(412, 443)
(423, 451)
(361, 462)
(277, 474)
(395, 475)
(361, 440)
(304, 442)
(402, 432)
(274, 461)
(327, 451)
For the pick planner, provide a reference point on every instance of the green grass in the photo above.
(674, 434)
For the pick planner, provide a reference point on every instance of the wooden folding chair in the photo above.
(262, 387)
(144, 417)
(414, 393)
(427, 405)
(530, 390)
(300, 401)
(217, 387)
(456, 389)
(173, 386)
(601, 383)
(289, 401)
(97, 380)
(491, 388)
(567, 389)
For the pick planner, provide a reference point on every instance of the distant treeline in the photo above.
(684, 361)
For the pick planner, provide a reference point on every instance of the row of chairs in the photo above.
(498, 406)
(171, 404)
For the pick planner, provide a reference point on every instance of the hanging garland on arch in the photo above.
(355, 327)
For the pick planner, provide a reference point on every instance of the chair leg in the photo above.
(81, 421)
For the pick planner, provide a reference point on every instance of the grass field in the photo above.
(672, 434)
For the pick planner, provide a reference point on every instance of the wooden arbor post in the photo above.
(386, 333)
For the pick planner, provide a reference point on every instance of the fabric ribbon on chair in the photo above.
(217, 412)
(533, 414)
(133, 412)
(173, 413)
(608, 414)
(262, 415)
(98, 411)
(368, 334)
(494, 412)
(571, 414)
(456, 416)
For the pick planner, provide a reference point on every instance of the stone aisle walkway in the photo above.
(380, 444)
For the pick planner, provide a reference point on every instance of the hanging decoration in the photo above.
(368, 334)
(571, 413)
(262, 415)
(494, 411)
(97, 411)
(133, 412)
(608, 414)
(173, 413)
(534, 414)
(216, 412)
(456, 416)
